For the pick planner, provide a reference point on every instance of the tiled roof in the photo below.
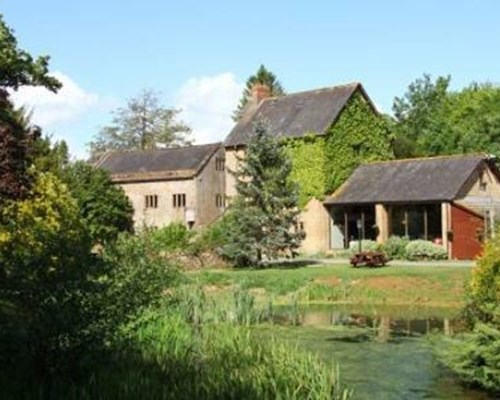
(412, 180)
(162, 164)
(296, 114)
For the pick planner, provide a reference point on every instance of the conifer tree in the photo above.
(264, 214)
(264, 77)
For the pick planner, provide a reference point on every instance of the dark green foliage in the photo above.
(430, 119)
(144, 124)
(264, 77)
(475, 356)
(45, 280)
(50, 157)
(18, 68)
(136, 274)
(358, 136)
(263, 219)
(103, 205)
(15, 151)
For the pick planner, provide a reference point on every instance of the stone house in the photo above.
(184, 184)
(314, 126)
(450, 200)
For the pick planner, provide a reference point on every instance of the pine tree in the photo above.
(263, 77)
(264, 214)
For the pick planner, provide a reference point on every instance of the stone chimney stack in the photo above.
(259, 92)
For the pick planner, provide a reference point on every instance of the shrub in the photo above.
(366, 245)
(424, 250)
(395, 247)
(474, 356)
(173, 237)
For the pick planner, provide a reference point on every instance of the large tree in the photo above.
(431, 119)
(264, 215)
(144, 124)
(264, 77)
(17, 68)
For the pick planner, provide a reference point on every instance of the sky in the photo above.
(198, 54)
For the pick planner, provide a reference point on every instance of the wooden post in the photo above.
(382, 222)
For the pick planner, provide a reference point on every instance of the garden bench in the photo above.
(369, 258)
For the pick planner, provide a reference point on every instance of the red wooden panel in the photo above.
(466, 227)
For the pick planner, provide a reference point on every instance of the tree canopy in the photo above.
(18, 68)
(264, 214)
(264, 77)
(144, 124)
(430, 119)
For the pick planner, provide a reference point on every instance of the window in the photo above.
(219, 164)
(151, 201)
(179, 200)
(219, 201)
(482, 183)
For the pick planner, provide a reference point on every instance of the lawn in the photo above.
(439, 286)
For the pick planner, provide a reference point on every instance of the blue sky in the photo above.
(199, 53)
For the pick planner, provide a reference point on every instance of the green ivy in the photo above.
(322, 163)
(358, 136)
(308, 157)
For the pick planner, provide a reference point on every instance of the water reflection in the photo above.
(384, 326)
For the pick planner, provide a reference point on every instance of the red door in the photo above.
(467, 227)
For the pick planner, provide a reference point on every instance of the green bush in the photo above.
(173, 237)
(424, 250)
(475, 356)
(395, 247)
(366, 245)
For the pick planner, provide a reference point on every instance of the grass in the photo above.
(168, 354)
(441, 286)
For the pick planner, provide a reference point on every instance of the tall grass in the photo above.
(197, 349)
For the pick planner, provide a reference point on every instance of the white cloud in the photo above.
(207, 103)
(53, 109)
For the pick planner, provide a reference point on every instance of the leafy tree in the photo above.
(18, 68)
(420, 118)
(15, 145)
(103, 206)
(264, 77)
(143, 124)
(432, 120)
(44, 253)
(264, 215)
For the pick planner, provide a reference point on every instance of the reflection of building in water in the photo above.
(385, 326)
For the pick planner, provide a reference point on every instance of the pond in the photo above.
(383, 352)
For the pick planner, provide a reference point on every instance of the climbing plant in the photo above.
(321, 163)
(308, 158)
(358, 136)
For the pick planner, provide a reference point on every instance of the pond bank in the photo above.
(429, 285)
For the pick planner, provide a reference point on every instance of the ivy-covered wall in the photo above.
(322, 163)
(358, 136)
(308, 157)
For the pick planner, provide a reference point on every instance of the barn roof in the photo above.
(296, 114)
(161, 164)
(412, 180)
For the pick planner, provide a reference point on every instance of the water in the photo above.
(383, 352)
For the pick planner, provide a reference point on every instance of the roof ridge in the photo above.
(448, 156)
(163, 149)
(322, 89)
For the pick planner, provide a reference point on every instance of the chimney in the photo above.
(259, 92)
